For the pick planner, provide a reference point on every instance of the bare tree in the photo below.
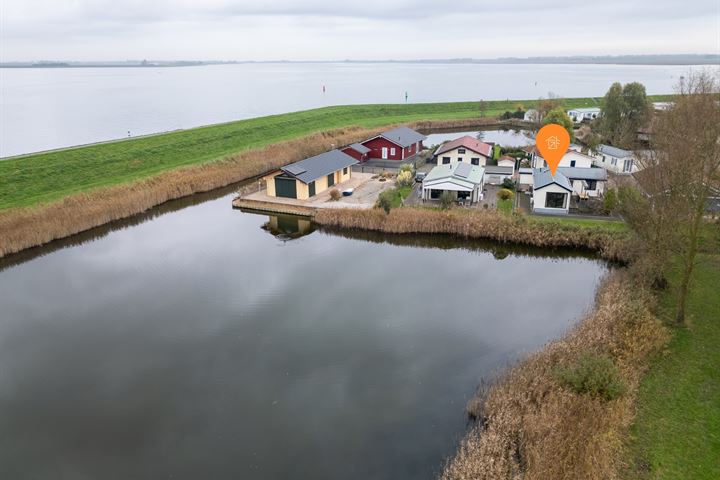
(677, 177)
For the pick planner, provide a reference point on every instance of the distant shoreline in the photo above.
(694, 59)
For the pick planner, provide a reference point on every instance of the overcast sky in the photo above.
(335, 30)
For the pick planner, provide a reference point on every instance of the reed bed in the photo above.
(22, 228)
(611, 245)
(532, 427)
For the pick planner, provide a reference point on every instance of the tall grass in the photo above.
(534, 427)
(609, 242)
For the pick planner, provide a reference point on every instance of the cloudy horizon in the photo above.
(318, 30)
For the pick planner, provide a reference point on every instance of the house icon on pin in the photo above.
(552, 142)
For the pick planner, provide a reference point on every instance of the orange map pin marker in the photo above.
(553, 141)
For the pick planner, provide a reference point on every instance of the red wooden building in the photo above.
(358, 151)
(396, 144)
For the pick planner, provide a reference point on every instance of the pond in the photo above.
(504, 137)
(198, 341)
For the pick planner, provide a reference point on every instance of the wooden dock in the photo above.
(273, 207)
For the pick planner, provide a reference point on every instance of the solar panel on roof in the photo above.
(463, 170)
(295, 169)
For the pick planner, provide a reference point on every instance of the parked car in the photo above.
(420, 176)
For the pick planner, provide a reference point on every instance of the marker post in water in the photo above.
(553, 141)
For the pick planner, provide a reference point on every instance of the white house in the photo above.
(572, 158)
(585, 182)
(532, 115)
(615, 159)
(579, 115)
(463, 179)
(551, 194)
(464, 149)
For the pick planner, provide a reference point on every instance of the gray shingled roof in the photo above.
(613, 151)
(495, 170)
(584, 173)
(318, 166)
(359, 147)
(542, 178)
(403, 136)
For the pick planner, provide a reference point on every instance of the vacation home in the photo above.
(396, 144)
(585, 182)
(615, 159)
(572, 158)
(551, 194)
(464, 149)
(309, 177)
(579, 115)
(464, 180)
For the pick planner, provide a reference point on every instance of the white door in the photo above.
(384, 153)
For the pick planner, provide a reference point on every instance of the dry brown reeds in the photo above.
(531, 427)
(480, 224)
(22, 228)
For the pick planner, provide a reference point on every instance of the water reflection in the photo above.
(287, 227)
(507, 137)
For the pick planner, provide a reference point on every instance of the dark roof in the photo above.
(359, 147)
(542, 178)
(468, 142)
(318, 166)
(403, 136)
(495, 170)
(583, 173)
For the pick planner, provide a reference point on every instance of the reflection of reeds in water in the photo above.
(531, 427)
(480, 224)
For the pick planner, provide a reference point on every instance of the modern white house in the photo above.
(615, 159)
(464, 180)
(572, 158)
(464, 149)
(579, 115)
(585, 182)
(551, 194)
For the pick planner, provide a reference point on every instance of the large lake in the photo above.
(44, 108)
(196, 341)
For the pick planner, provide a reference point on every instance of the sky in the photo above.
(87, 30)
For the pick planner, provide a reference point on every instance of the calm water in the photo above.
(506, 138)
(55, 107)
(194, 343)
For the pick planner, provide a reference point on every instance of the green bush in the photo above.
(610, 202)
(446, 200)
(594, 375)
(508, 183)
(505, 194)
(385, 200)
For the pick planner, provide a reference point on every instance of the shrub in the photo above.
(446, 200)
(335, 195)
(385, 200)
(508, 183)
(404, 178)
(406, 168)
(594, 375)
(505, 194)
(610, 202)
